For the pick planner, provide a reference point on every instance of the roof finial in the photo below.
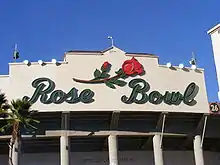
(15, 53)
(193, 59)
(112, 40)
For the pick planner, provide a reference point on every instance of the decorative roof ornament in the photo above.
(16, 53)
(112, 40)
(193, 59)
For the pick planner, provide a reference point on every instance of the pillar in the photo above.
(198, 152)
(64, 141)
(64, 150)
(158, 155)
(113, 150)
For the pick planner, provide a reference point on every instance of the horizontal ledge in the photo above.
(36, 63)
(59, 133)
(184, 111)
(188, 68)
(4, 76)
(106, 133)
(25, 136)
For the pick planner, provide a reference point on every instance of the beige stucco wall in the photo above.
(4, 83)
(83, 65)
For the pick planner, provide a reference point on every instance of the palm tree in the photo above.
(17, 116)
(3, 105)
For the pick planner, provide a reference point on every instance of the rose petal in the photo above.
(132, 66)
(140, 71)
(129, 68)
(105, 65)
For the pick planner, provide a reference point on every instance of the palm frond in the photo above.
(28, 122)
(22, 112)
(21, 106)
(19, 113)
(6, 106)
(34, 121)
(4, 113)
(5, 127)
(3, 99)
(28, 125)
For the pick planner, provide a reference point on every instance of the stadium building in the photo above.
(113, 107)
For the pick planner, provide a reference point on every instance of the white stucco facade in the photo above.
(82, 66)
(215, 37)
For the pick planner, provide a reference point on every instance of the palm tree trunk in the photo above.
(14, 146)
(14, 152)
(10, 152)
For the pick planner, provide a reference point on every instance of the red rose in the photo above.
(105, 65)
(131, 67)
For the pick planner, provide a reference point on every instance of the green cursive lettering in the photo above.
(140, 87)
(44, 90)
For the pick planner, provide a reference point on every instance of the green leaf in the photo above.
(97, 73)
(120, 83)
(104, 75)
(120, 71)
(110, 85)
(112, 80)
(124, 76)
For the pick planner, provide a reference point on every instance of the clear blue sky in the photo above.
(169, 28)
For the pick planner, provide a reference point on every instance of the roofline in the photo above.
(91, 51)
(105, 50)
(212, 30)
(141, 54)
(82, 51)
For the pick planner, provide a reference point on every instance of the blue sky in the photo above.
(171, 29)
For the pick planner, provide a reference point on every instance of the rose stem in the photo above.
(96, 81)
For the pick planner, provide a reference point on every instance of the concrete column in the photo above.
(198, 152)
(64, 141)
(158, 155)
(64, 150)
(113, 150)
